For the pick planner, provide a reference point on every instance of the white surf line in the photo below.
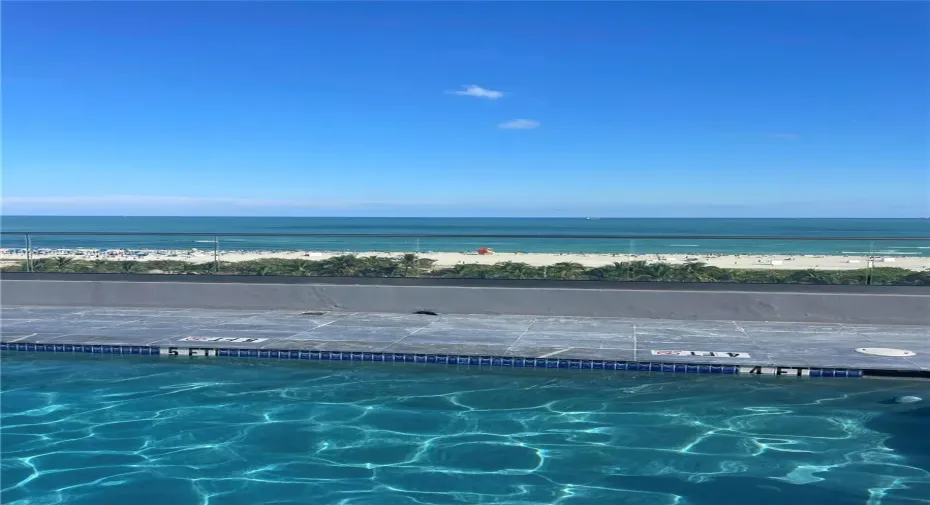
(555, 352)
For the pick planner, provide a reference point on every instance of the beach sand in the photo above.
(449, 259)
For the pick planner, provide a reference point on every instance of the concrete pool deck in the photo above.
(576, 340)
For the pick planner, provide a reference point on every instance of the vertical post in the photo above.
(629, 263)
(28, 252)
(216, 254)
(871, 264)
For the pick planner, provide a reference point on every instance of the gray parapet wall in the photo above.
(828, 304)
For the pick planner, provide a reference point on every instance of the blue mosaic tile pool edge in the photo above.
(440, 359)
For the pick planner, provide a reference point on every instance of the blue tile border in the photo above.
(439, 359)
(136, 350)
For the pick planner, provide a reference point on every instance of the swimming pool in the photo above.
(101, 430)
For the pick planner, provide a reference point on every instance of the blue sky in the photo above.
(444, 109)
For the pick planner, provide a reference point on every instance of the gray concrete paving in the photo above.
(770, 344)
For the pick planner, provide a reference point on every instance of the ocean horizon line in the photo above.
(585, 217)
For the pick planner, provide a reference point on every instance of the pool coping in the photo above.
(522, 341)
(487, 362)
(885, 305)
(440, 359)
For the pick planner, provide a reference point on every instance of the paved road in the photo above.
(756, 343)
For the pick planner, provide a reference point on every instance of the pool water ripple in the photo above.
(151, 431)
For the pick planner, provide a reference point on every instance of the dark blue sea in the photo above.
(207, 226)
(100, 431)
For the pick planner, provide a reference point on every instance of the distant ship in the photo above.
(592, 218)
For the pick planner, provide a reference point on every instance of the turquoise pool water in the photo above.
(154, 431)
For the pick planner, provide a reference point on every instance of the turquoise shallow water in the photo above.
(483, 226)
(104, 430)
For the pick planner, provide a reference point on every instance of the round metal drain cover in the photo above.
(884, 351)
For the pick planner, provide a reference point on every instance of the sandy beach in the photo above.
(448, 259)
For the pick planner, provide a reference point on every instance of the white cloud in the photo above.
(519, 124)
(478, 92)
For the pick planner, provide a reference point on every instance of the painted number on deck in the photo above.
(235, 340)
(186, 351)
(702, 354)
(777, 370)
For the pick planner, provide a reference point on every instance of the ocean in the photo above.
(665, 230)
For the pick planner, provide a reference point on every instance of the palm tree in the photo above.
(378, 266)
(515, 270)
(614, 272)
(43, 265)
(408, 261)
(656, 272)
(100, 266)
(346, 265)
(266, 270)
(62, 263)
(638, 270)
(694, 271)
(303, 267)
(467, 271)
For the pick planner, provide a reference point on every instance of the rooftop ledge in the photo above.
(834, 304)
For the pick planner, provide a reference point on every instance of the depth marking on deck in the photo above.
(236, 340)
(775, 370)
(187, 351)
(701, 354)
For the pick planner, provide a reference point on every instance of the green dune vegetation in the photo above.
(410, 265)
